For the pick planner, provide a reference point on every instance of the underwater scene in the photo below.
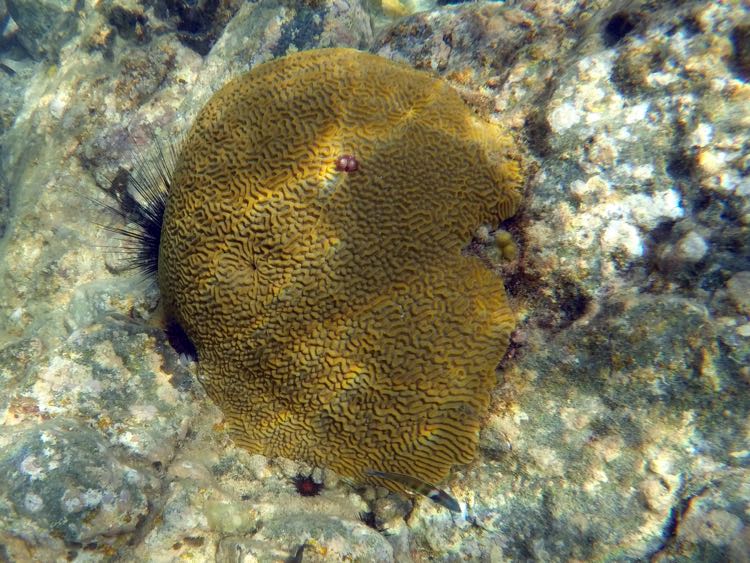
(374, 280)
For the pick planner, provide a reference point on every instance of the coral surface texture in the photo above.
(336, 319)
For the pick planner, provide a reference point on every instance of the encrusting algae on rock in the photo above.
(312, 251)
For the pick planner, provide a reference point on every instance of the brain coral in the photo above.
(335, 317)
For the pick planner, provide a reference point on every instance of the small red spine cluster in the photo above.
(306, 486)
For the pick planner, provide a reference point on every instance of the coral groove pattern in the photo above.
(335, 317)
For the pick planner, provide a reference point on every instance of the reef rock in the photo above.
(618, 427)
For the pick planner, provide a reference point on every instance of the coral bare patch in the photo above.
(336, 319)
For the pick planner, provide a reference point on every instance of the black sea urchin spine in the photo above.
(142, 199)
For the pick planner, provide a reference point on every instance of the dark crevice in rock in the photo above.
(302, 32)
(538, 133)
(180, 341)
(199, 23)
(618, 27)
(567, 303)
(671, 528)
(131, 24)
(740, 63)
(155, 506)
(681, 164)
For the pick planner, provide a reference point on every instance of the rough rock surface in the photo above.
(43, 25)
(67, 486)
(619, 427)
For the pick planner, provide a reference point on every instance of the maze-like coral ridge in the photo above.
(335, 317)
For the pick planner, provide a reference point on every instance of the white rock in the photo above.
(564, 117)
(33, 502)
(691, 247)
(649, 211)
(621, 235)
(702, 135)
(738, 287)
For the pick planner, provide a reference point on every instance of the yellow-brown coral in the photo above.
(335, 317)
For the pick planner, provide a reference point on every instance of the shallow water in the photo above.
(618, 428)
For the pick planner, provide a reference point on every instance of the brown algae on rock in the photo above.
(336, 319)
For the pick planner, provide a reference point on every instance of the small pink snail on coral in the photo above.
(347, 163)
